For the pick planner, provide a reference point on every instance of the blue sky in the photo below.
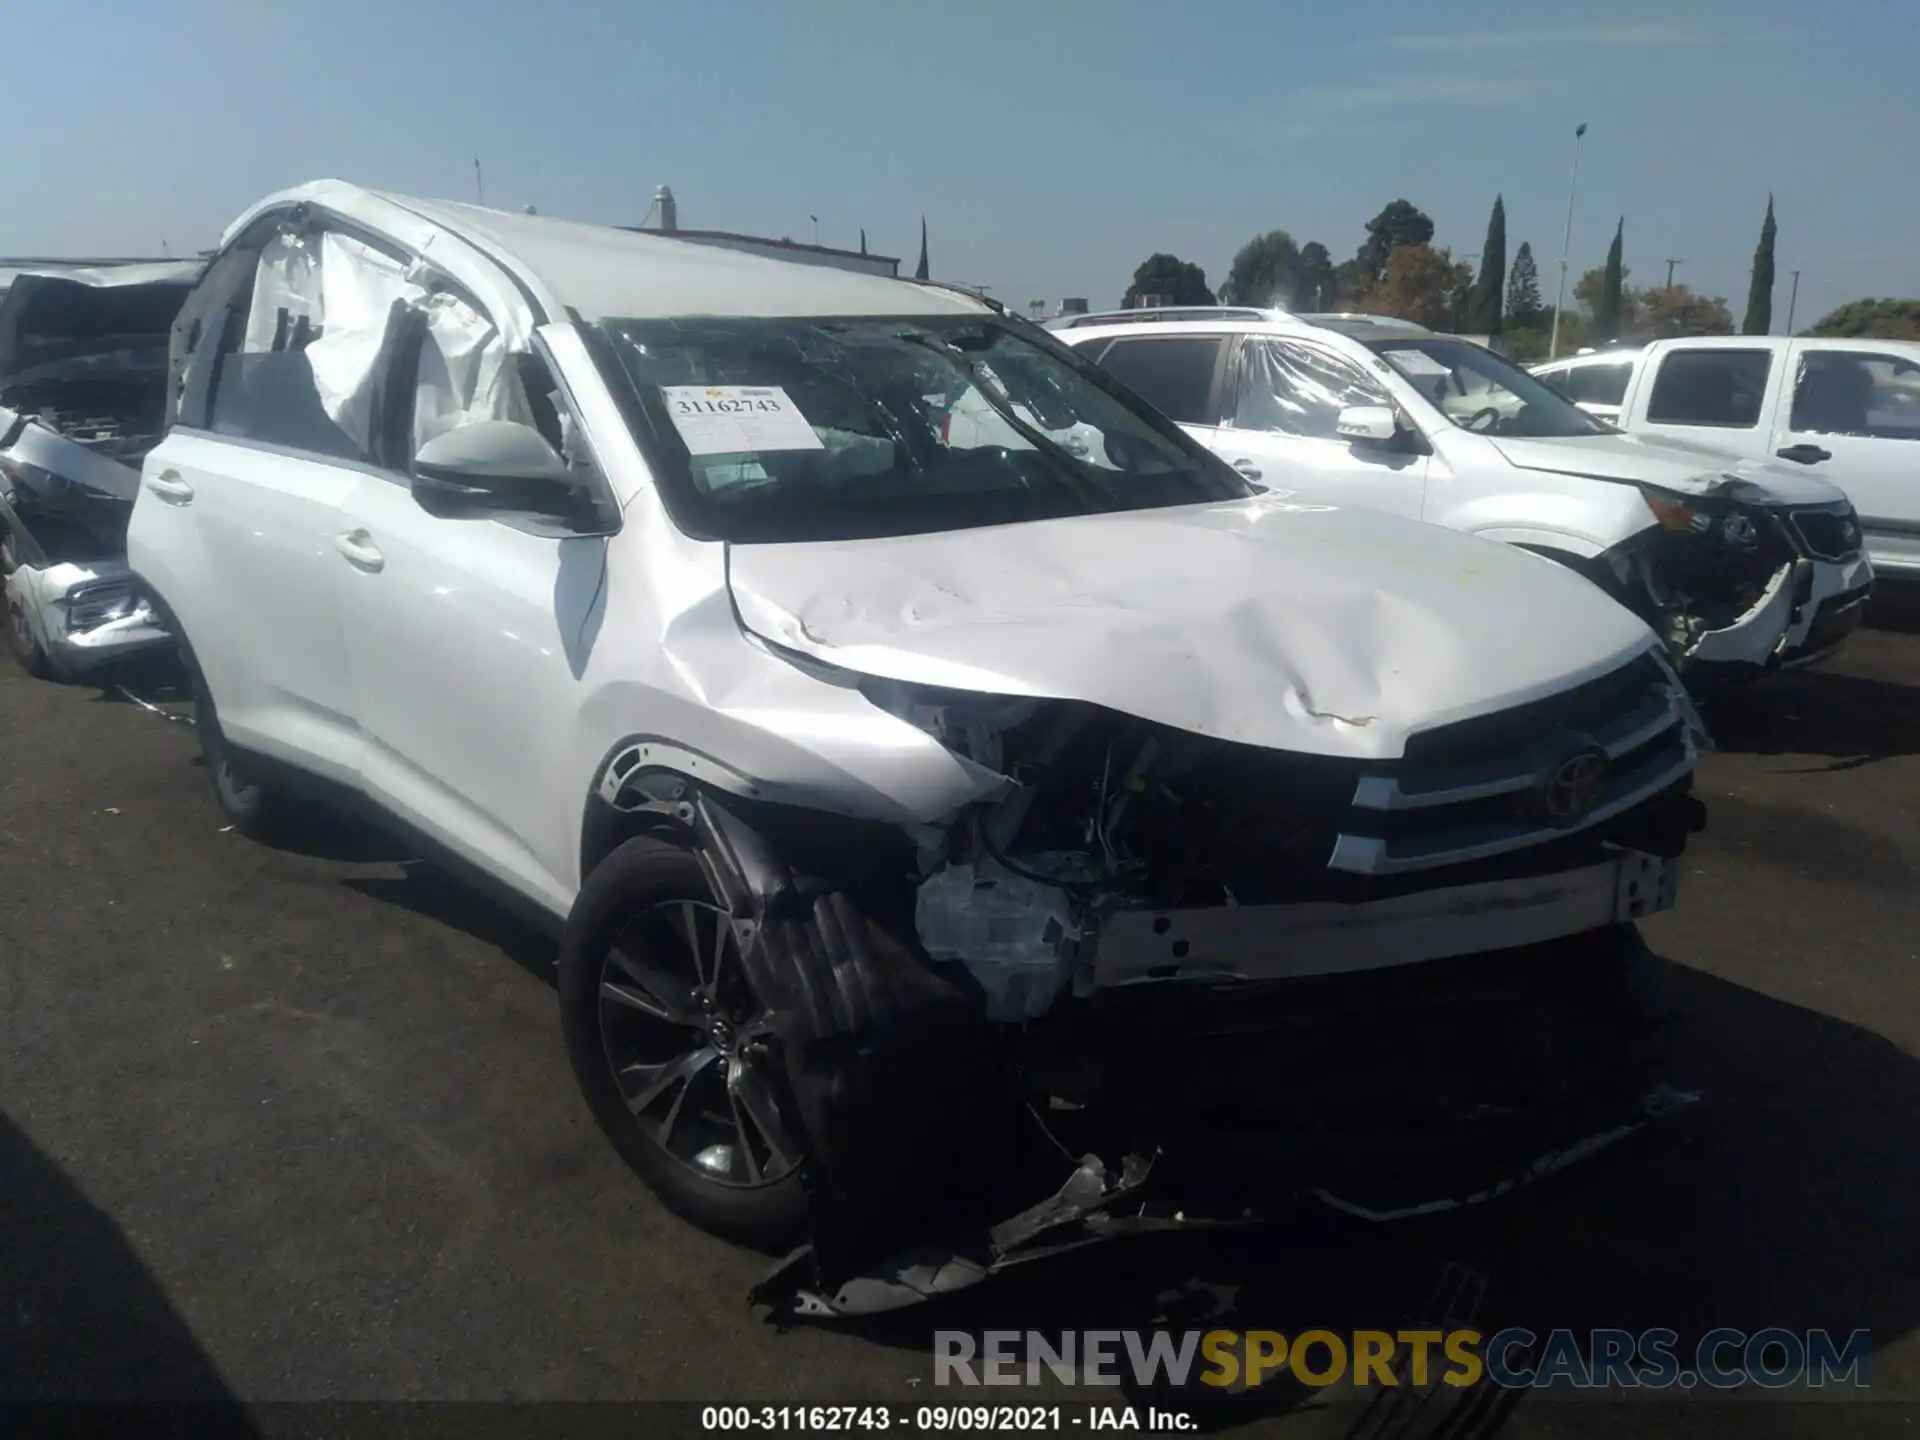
(1051, 146)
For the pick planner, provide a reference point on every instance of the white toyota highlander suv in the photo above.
(915, 799)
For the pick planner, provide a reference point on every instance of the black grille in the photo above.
(1827, 534)
(1497, 737)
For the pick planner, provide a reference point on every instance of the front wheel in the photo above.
(672, 1049)
(254, 808)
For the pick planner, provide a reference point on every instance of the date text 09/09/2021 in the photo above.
(933, 1418)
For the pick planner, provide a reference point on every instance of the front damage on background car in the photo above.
(1150, 978)
(83, 363)
(1737, 577)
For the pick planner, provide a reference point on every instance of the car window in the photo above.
(765, 429)
(1174, 375)
(1594, 384)
(1298, 389)
(1847, 392)
(302, 370)
(1721, 388)
(1479, 390)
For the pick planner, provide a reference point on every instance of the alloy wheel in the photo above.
(687, 1044)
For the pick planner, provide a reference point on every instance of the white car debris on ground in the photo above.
(1743, 566)
(924, 789)
(1847, 409)
(83, 353)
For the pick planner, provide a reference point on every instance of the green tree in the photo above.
(1489, 286)
(920, 270)
(1398, 224)
(1610, 313)
(1266, 271)
(1169, 279)
(1872, 320)
(1759, 317)
(1589, 291)
(1319, 286)
(1421, 284)
(1525, 308)
(1674, 310)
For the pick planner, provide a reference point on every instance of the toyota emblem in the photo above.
(1570, 790)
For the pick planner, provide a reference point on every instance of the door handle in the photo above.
(360, 551)
(1247, 468)
(170, 487)
(1804, 454)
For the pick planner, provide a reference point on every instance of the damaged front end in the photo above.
(1164, 981)
(1740, 586)
(83, 357)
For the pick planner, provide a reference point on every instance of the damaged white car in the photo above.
(927, 811)
(1744, 566)
(83, 355)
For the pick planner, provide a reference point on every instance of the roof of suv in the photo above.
(604, 272)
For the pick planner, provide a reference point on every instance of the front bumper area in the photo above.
(87, 618)
(1807, 611)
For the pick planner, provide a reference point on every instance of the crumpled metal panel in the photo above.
(1310, 630)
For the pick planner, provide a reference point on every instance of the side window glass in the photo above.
(1174, 375)
(1298, 390)
(1722, 388)
(1845, 392)
(1594, 384)
(304, 370)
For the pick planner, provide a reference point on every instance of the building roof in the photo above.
(681, 233)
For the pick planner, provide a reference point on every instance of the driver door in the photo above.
(470, 637)
(1285, 398)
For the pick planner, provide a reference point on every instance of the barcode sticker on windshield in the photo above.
(731, 419)
(1416, 362)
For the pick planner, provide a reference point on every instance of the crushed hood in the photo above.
(55, 319)
(1681, 466)
(1300, 628)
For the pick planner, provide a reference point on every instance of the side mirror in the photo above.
(492, 467)
(1367, 422)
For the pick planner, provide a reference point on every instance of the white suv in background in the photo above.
(1596, 382)
(889, 778)
(1743, 566)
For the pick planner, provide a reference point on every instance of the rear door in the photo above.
(1854, 413)
(1285, 399)
(241, 527)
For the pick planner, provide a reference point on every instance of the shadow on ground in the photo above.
(1853, 719)
(1789, 1199)
(83, 1321)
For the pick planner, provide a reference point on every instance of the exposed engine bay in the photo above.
(1729, 580)
(1225, 973)
(83, 373)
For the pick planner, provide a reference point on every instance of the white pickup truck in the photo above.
(1848, 409)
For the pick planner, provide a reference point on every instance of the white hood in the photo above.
(1308, 629)
(1682, 466)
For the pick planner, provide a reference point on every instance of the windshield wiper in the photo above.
(1064, 461)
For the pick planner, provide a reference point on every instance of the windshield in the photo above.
(815, 429)
(1480, 391)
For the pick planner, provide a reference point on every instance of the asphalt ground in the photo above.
(281, 1126)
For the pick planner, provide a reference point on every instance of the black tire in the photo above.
(21, 643)
(706, 1135)
(254, 808)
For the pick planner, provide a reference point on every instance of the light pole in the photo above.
(1566, 244)
(816, 228)
(1793, 299)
